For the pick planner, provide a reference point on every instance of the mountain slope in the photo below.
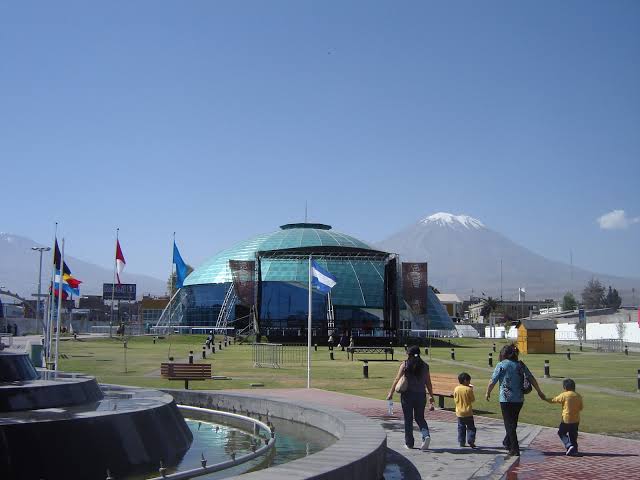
(19, 270)
(464, 254)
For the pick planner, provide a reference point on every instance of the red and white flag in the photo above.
(120, 263)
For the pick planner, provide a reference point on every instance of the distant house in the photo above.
(510, 309)
(452, 304)
(536, 336)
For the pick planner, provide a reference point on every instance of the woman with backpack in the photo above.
(413, 382)
(515, 381)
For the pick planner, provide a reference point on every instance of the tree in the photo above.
(621, 328)
(569, 302)
(613, 299)
(593, 294)
(489, 305)
(508, 323)
(581, 329)
(171, 281)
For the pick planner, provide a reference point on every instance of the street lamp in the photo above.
(39, 249)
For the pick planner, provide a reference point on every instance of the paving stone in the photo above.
(542, 453)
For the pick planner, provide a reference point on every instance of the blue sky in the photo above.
(219, 119)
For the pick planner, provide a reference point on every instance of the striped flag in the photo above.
(70, 284)
(321, 278)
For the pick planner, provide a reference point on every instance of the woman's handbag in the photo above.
(402, 384)
(526, 383)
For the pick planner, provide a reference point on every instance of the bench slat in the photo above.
(185, 371)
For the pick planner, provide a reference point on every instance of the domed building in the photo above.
(270, 273)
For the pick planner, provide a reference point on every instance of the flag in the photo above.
(56, 259)
(70, 284)
(181, 267)
(55, 291)
(120, 263)
(321, 279)
(521, 293)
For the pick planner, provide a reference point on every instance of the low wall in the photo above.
(499, 332)
(358, 453)
(597, 331)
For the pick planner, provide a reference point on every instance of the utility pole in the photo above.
(501, 280)
(571, 263)
(40, 249)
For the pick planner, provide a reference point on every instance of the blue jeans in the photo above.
(466, 430)
(568, 433)
(413, 405)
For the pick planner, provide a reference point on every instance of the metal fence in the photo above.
(132, 329)
(275, 355)
(606, 344)
(429, 333)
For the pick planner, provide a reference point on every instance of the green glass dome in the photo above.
(359, 269)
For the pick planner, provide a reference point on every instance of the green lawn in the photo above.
(604, 411)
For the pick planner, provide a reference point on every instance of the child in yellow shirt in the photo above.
(571, 406)
(464, 398)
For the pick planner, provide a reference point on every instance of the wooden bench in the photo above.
(385, 350)
(443, 386)
(185, 371)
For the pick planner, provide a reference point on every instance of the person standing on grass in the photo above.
(413, 399)
(512, 375)
(464, 398)
(571, 406)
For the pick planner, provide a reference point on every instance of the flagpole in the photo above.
(309, 332)
(51, 296)
(55, 360)
(171, 284)
(113, 285)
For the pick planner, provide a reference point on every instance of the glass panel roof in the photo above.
(360, 281)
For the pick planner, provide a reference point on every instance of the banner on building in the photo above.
(414, 286)
(243, 273)
(391, 309)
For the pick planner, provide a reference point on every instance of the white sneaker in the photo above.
(408, 447)
(425, 443)
(570, 451)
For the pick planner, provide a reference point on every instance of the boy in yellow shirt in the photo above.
(464, 398)
(571, 406)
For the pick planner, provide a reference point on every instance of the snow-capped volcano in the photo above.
(451, 220)
(465, 255)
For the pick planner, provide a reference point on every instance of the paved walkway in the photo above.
(542, 453)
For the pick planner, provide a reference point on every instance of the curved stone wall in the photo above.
(130, 430)
(359, 452)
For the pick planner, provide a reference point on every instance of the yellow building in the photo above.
(536, 336)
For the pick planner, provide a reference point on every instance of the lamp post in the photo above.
(39, 249)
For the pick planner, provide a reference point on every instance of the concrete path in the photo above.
(542, 453)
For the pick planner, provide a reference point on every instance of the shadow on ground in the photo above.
(399, 468)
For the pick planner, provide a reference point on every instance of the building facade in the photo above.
(363, 300)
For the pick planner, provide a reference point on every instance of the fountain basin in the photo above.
(83, 430)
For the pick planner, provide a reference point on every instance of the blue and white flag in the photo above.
(321, 279)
